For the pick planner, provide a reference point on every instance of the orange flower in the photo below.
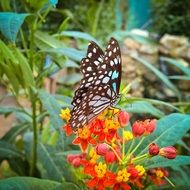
(157, 175)
(65, 114)
(84, 138)
(122, 179)
(67, 128)
(102, 178)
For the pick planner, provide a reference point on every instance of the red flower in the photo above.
(75, 159)
(101, 149)
(153, 149)
(149, 125)
(168, 152)
(102, 178)
(123, 118)
(67, 128)
(146, 127)
(84, 138)
(138, 128)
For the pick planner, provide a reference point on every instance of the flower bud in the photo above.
(153, 149)
(71, 157)
(101, 149)
(168, 152)
(150, 125)
(133, 172)
(110, 157)
(76, 162)
(123, 118)
(138, 128)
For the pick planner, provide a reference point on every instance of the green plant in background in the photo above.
(36, 145)
(171, 17)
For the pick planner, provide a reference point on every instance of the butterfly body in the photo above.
(99, 88)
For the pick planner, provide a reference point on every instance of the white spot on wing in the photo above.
(94, 50)
(106, 79)
(89, 68)
(111, 63)
(90, 55)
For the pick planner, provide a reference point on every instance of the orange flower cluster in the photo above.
(108, 151)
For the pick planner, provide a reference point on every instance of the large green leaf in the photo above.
(164, 162)
(158, 73)
(77, 34)
(9, 151)
(11, 135)
(10, 24)
(47, 165)
(28, 183)
(71, 53)
(143, 107)
(168, 131)
(53, 108)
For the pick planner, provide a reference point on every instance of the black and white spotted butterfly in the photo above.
(99, 88)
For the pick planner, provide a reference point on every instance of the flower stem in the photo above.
(168, 180)
(123, 145)
(131, 146)
(137, 145)
(35, 137)
(140, 158)
(118, 157)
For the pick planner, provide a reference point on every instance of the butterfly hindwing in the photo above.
(100, 85)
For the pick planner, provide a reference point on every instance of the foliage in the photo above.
(33, 49)
(171, 17)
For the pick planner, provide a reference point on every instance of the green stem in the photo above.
(168, 180)
(35, 139)
(123, 145)
(131, 146)
(118, 157)
(140, 158)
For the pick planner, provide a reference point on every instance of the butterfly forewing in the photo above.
(89, 66)
(100, 85)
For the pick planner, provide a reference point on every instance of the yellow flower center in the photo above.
(159, 173)
(140, 170)
(122, 175)
(100, 170)
(83, 133)
(111, 124)
(128, 135)
(93, 156)
(65, 114)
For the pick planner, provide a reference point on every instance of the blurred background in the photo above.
(51, 37)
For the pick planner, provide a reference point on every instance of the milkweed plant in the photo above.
(109, 146)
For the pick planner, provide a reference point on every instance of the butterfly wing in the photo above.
(94, 102)
(110, 69)
(100, 86)
(89, 66)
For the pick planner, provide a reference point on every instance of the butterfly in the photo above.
(99, 87)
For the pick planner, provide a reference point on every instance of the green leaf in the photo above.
(10, 24)
(7, 150)
(71, 53)
(6, 110)
(47, 164)
(179, 77)
(28, 183)
(70, 79)
(44, 41)
(77, 34)
(143, 107)
(159, 74)
(178, 63)
(53, 138)
(168, 131)
(164, 162)
(11, 135)
(26, 70)
(154, 102)
(53, 108)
